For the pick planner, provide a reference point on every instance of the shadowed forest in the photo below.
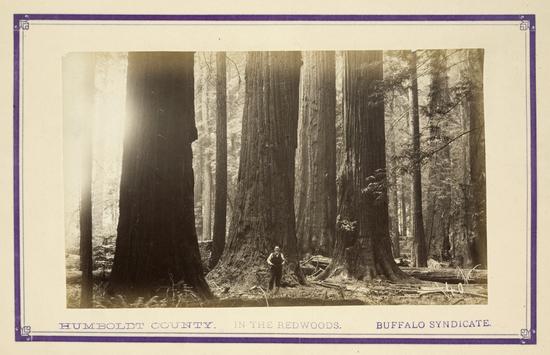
(183, 171)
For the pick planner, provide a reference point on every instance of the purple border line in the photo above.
(270, 18)
(277, 340)
(279, 17)
(533, 94)
(16, 178)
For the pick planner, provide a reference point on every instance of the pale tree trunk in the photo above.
(98, 187)
(393, 204)
(404, 209)
(220, 203)
(264, 205)
(206, 166)
(315, 198)
(464, 257)
(78, 93)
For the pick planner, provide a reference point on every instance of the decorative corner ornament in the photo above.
(524, 25)
(525, 333)
(26, 330)
(23, 24)
(527, 336)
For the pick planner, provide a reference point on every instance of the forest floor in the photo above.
(469, 288)
(353, 292)
(313, 293)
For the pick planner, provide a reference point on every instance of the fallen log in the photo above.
(448, 275)
(319, 261)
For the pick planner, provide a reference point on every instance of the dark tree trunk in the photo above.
(363, 245)
(79, 92)
(220, 203)
(478, 248)
(419, 242)
(315, 199)
(264, 205)
(157, 242)
(438, 197)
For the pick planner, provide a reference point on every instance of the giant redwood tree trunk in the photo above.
(478, 248)
(78, 94)
(420, 257)
(220, 202)
(363, 246)
(156, 238)
(264, 204)
(315, 198)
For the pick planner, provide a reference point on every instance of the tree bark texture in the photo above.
(157, 241)
(462, 256)
(475, 59)
(264, 203)
(438, 196)
(206, 163)
(419, 240)
(315, 198)
(220, 203)
(363, 245)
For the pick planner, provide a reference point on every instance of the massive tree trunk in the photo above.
(363, 245)
(157, 242)
(220, 203)
(264, 204)
(419, 242)
(438, 201)
(315, 199)
(477, 158)
(79, 92)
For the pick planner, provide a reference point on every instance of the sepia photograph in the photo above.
(198, 178)
(274, 178)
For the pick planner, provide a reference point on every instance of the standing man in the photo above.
(276, 261)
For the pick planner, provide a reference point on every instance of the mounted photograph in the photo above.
(274, 178)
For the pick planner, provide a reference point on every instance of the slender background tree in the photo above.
(79, 93)
(420, 257)
(220, 205)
